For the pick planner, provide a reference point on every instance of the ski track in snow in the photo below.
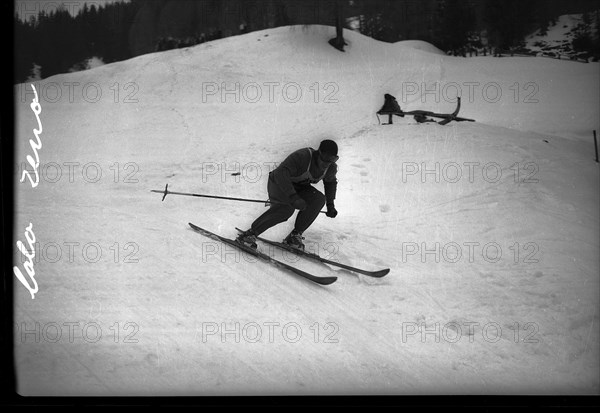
(172, 285)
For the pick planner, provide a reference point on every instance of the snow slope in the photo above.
(421, 45)
(490, 228)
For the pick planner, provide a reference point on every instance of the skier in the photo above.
(289, 188)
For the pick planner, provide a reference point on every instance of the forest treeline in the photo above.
(57, 41)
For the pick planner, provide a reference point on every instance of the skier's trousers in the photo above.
(279, 213)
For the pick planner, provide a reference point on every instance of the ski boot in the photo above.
(294, 240)
(247, 239)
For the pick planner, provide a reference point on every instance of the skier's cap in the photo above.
(328, 147)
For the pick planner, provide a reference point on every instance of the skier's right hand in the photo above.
(331, 211)
(298, 203)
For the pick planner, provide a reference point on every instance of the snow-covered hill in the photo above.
(490, 228)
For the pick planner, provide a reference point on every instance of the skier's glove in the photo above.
(298, 203)
(331, 211)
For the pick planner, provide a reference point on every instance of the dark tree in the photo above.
(508, 22)
(25, 49)
(382, 19)
(455, 24)
(59, 42)
(585, 41)
(338, 42)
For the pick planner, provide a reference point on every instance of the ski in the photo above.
(391, 107)
(448, 117)
(452, 116)
(376, 274)
(264, 257)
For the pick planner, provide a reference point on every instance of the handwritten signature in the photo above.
(30, 236)
(35, 145)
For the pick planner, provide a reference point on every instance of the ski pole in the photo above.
(596, 145)
(167, 192)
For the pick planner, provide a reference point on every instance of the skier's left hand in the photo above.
(331, 211)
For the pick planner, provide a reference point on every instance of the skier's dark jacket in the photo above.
(298, 169)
